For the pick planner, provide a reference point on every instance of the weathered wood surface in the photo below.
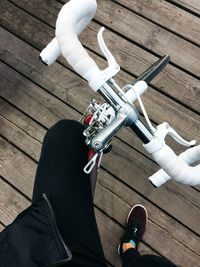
(14, 159)
(116, 206)
(168, 16)
(35, 97)
(1, 227)
(129, 56)
(148, 34)
(31, 94)
(190, 5)
(60, 82)
(17, 157)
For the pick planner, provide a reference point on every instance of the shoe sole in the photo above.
(119, 246)
(118, 250)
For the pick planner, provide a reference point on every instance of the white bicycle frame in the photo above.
(119, 110)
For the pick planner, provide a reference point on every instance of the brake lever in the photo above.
(113, 68)
(163, 129)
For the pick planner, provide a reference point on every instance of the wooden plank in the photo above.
(149, 35)
(17, 118)
(10, 131)
(14, 170)
(118, 209)
(20, 92)
(1, 227)
(54, 80)
(171, 81)
(191, 5)
(20, 98)
(19, 134)
(12, 203)
(168, 16)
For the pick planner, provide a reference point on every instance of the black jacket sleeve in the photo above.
(33, 239)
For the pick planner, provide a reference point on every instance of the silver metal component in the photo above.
(97, 145)
(121, 92)
(108, 98)
(112, 95)
(107, 120)
(90, 130)
(87, 141)
(107, 145)
(131, 113)
(107, 133)
(144, 130)
(99, 135)
(88, 168)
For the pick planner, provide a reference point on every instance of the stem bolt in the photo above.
(97, 145)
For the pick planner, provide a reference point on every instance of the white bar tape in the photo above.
(140, 87)
(72, 19)
(51, 52)
(176, 167)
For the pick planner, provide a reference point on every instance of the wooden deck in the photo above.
(34, 97)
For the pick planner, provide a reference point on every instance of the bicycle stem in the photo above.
(126, 115)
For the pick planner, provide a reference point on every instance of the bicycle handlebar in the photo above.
(153, 70)
(72, 19)
(177, 166)
(71, 15)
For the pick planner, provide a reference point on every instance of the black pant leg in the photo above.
(129, 257)
(60, 174)
(132, 258)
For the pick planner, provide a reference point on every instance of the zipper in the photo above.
(61, 244)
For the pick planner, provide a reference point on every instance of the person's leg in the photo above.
(135, 228)
(129, 257)
(132, 258)
(60, 175)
